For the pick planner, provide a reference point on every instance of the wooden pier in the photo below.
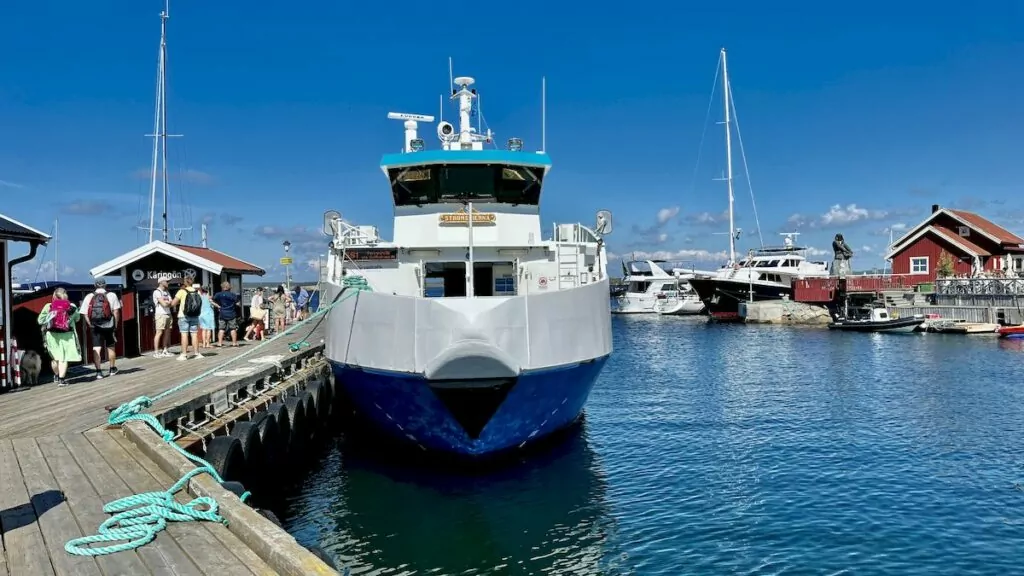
(60, 463)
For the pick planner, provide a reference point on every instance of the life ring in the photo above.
(542, 282)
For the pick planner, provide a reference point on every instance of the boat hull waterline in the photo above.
(408, 408)
(895, 325)
(1011, 332)
(722, 297)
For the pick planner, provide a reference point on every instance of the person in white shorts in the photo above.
(162, 318)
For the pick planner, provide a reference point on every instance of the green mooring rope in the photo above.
(139, 518)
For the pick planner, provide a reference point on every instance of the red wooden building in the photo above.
(12, 233)
(974, 243)
(139, 270)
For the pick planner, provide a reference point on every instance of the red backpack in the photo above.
(60, 316)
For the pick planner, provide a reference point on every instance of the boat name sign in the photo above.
(461, 217)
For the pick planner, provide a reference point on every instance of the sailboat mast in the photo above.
(163, 109)
(160, 130)
(728, 160)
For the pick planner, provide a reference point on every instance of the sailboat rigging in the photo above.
(158, 164)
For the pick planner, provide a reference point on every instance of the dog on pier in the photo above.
(31, 365)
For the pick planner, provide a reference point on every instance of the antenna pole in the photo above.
(451, 75)
(728, 160)
(543, 114)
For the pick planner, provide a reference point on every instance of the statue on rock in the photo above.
(841, 258)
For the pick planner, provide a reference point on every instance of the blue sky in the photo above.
(854, 119)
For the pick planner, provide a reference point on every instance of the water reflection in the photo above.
(547, 514)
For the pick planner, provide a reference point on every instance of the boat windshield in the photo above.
(458, 183)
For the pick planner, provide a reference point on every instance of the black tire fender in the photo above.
(224, 453)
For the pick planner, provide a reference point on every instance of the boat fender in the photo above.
(248, 435)
(323, 556)
(266, 424)
(279, 450)
(224, 453)
(297, 440)
(321, 392)
(270, 516)
(312, 422)
(234, 487)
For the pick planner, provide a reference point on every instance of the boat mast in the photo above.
(159, 114)
(163, 110)
(728, 160)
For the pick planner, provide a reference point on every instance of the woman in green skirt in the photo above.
(59, 320)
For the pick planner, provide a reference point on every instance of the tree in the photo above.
(946, 266)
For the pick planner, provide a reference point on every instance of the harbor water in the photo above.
(717, 449)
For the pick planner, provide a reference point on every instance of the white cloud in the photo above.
(867, 249)
(699, 255)
(707, 218)
(9, 184)
(838, 215)
(27, 271)
(666, 214)
(812, 251)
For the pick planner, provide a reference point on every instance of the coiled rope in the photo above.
(139, 518)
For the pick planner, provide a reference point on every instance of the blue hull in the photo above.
(405, 406)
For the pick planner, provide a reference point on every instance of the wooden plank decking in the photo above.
(60, 463)
(53, 488)
(47, 410)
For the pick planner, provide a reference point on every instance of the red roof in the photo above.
(227, 262)
(984, 225)
(959, 240)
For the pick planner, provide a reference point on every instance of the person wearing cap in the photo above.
(102, 313)
(162, 317)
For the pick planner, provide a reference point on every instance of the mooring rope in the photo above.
(137, 519)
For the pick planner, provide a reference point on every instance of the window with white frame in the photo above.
(919, 265)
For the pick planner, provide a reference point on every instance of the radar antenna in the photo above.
(412, 143)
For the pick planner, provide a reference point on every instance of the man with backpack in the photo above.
(102, 312)
(189, 303)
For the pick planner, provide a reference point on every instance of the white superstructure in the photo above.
(471, 288)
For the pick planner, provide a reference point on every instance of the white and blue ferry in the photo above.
(478, 334)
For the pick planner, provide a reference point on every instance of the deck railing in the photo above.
(980, 286)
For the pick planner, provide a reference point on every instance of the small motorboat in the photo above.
(1011, 332)
(878, 320)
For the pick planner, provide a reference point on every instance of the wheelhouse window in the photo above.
(457, 183)
(639, 286)
(919, 265)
